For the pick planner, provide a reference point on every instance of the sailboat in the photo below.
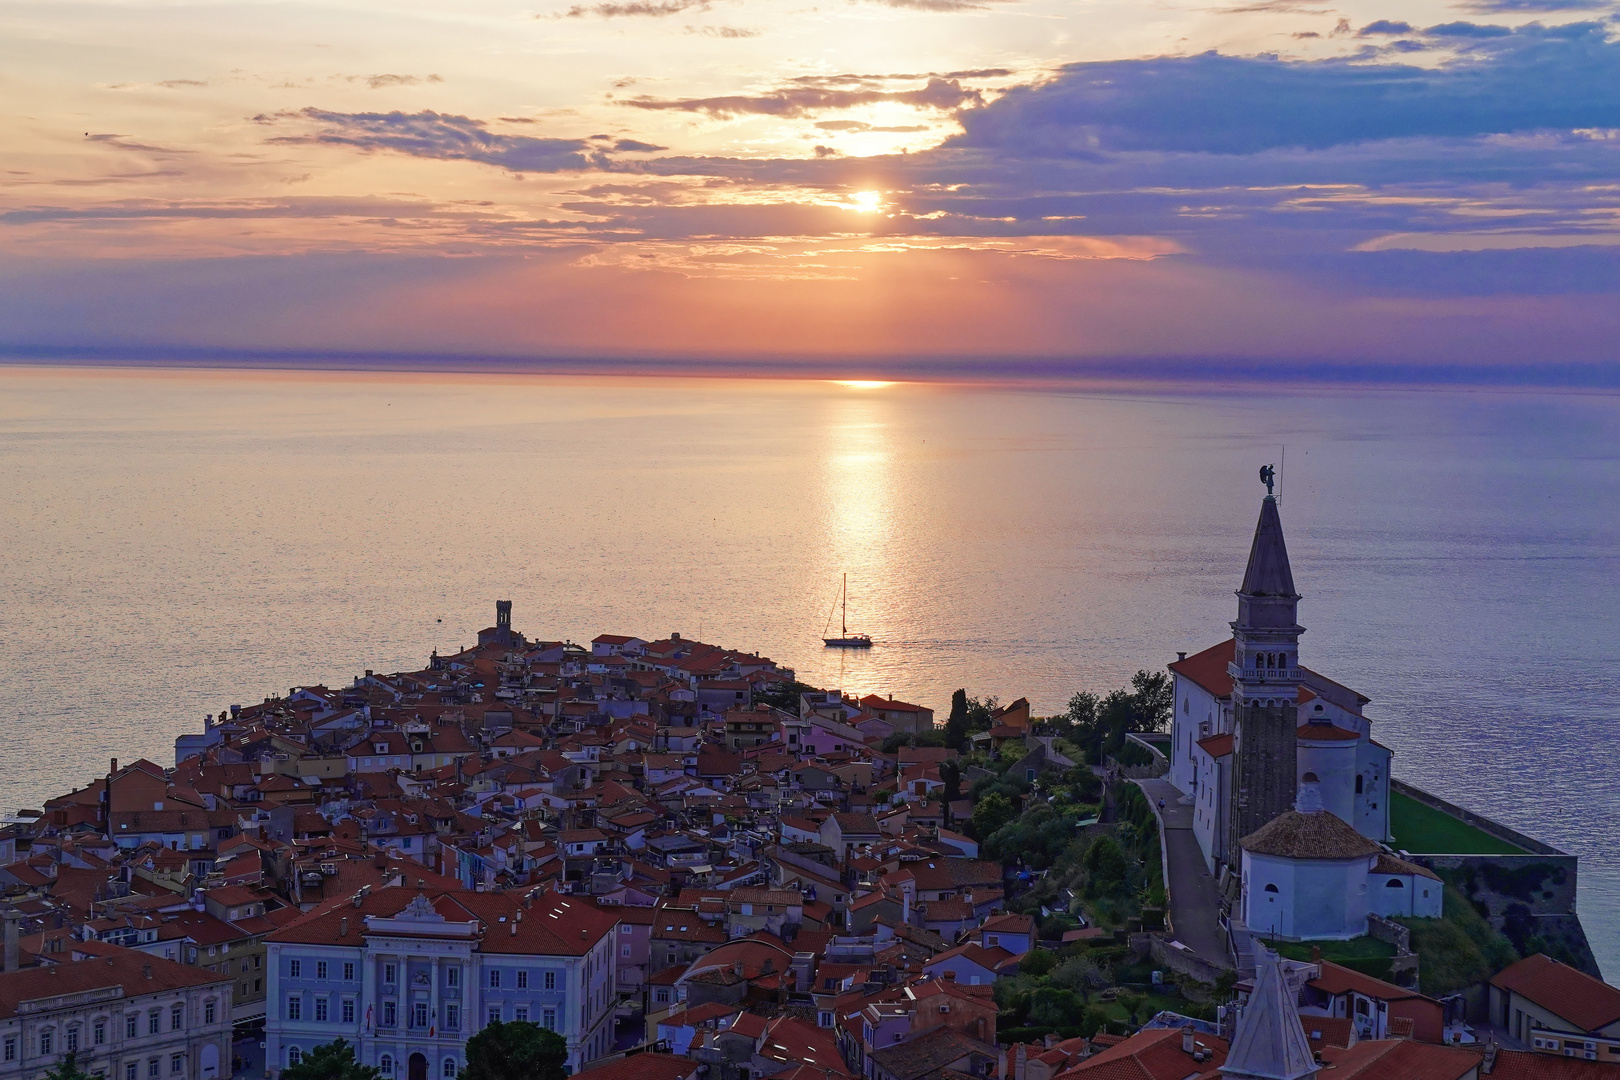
(845, 639)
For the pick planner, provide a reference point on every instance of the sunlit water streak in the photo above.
(174, 542)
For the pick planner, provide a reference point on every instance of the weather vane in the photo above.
(1268, 477)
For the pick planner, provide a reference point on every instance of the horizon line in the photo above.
(1125, 371)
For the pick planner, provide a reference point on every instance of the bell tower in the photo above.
(1265, 682)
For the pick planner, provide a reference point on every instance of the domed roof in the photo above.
(1322, 835)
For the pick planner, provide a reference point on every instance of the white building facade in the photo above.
(407, 976)
(127, 1016)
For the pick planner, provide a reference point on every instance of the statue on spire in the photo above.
(1268, 477)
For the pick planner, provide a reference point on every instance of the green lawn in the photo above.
(1364, 954)
(1423, 830)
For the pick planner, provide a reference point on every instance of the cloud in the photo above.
(1508, 7)
(173, 84)
(722, 31)
(942, 94)
(441, 136)
(1384, 26)
(860, 126)
(631, 146)
(377, 82)
(1468, 30)
(654, 8)
(1536, 78)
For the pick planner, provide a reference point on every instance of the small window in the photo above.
(154, 1022)
(521, 1014)
(320, 1010)
(71, 1043)
(551, 980)
(494, 1015)
(131, 1026)
(385, 1065)
(348, 971)
(47, 1041)
(452, 976)
(176, 1062)
(1358, 783)
(523, 980)
(452, 1017)
(348, 1010)
(548, 1019)
(1394, 883)
(209, 1010)
(390, 974)
(295, 968)
(294, 1055)
(1271, 888)
(320, 969)
(98, 1034)
(419, 1015)
(494, 978)
(448, 1071)
(154, 1068)
(295, 1007)
(132, 1071)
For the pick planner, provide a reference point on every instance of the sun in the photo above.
(863, 384)
(867, 202)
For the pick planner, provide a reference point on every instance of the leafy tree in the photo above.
(991, 813)
(956, 729)
(785, 697)
(979, 713)
(1153, 700)
(1093, 1020)
(1105, 867)
(68, 1069)
(1037, 962)
(1051, 1007)
(330, 1061)
(519, 1050)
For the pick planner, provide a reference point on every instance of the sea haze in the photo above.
(175, 542)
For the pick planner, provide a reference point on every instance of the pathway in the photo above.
(1194, 901)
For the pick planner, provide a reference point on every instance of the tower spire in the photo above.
(1268, 573)
(1269, 1043)
(1265, 684)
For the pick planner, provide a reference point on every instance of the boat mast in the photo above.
(845, 618)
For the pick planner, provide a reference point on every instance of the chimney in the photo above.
(343, 926)
(1181, 656)
(1316, 954)
(1187, 1044)
(1020, 1057)
(1487, 1066)
(146, 971)
(13, 939)
(513, 926)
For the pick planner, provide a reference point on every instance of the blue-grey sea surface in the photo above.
(173, 542)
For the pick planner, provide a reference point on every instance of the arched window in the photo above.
(1271, 888)
(1394, 883)
(294, 1055)
(1309, 778)
(449, 1069)
(386, 1065)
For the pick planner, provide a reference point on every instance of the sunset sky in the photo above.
(997, 180)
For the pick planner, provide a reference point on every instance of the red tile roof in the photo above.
(648, 1066)
(1400, 1059)
(1151, 1055)
(136, 972)
(1208, 668)
(1575, 996)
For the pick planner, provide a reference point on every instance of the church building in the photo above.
(1251, 720)
(1290, 793)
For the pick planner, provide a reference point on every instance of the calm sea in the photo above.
(174, 542)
